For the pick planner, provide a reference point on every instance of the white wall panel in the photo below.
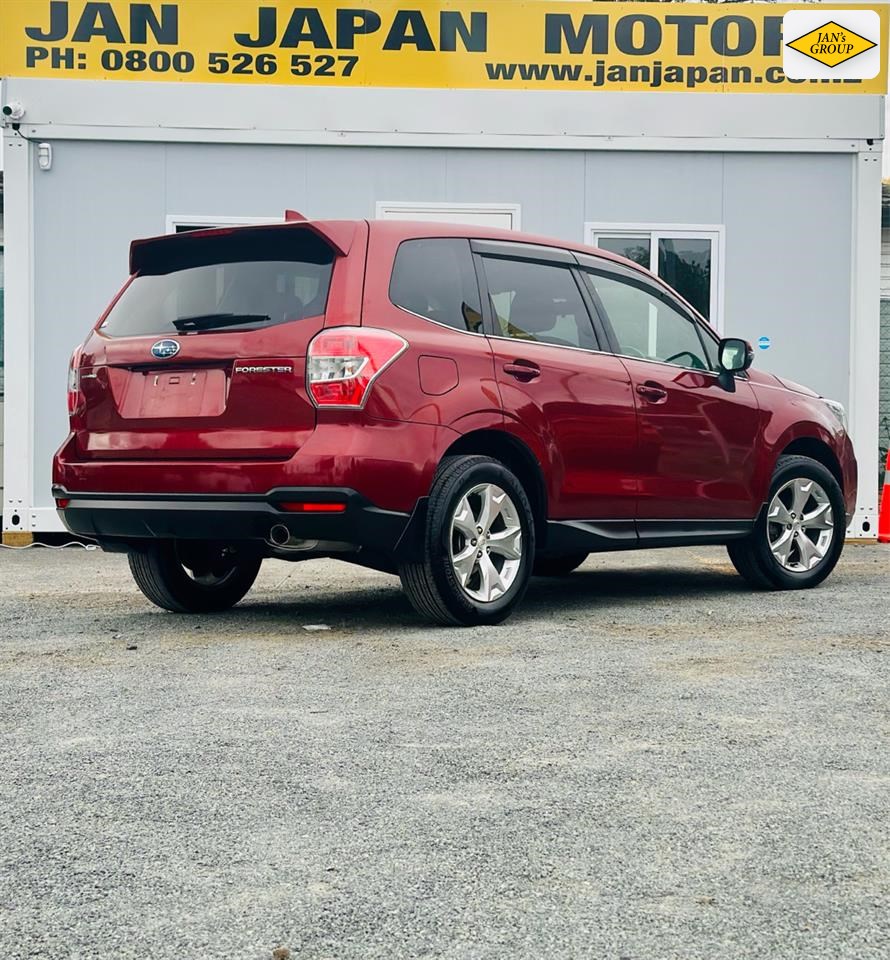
(269, 111)
(86, 211)
(788, 248)
(786, 275)
(644, 187)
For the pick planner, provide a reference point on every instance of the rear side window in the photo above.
(436, 279)
(537, 301)
(243, 279)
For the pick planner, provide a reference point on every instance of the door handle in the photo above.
(653, 392)
(523, 370)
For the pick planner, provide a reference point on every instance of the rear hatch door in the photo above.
(202, 355)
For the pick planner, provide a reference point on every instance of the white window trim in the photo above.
(175, 220)
(715, 232)
(392, 208)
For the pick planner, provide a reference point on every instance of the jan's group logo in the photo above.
(831, 44)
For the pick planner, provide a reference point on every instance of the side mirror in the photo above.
(734, 356)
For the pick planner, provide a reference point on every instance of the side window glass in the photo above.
(647, 327)
(710, 349)
(436, 279)
(539, 302)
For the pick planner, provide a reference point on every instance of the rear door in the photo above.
(698, 442)
(558, 387)
(202, 356)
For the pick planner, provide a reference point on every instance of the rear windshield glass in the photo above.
(242, 280)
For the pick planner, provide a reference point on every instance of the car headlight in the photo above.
(838, 410)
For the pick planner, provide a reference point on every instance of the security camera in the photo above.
(13, 111)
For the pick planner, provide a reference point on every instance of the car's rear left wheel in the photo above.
(479, 545)
(193, 577)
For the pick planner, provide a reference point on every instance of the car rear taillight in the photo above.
(343, 362)
(75, 395)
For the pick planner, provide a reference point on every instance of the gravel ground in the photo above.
(648, 762)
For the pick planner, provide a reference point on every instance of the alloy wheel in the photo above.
(486, 542)
(800, 525)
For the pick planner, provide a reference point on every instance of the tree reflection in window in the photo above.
(685, 264)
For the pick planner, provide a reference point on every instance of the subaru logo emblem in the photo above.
(164, 349)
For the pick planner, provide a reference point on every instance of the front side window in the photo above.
(537, 301)
(647, 327)
(231, 280)
(436, 279)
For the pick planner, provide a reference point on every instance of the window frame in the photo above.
(654, 232)
(445, 326)
(619, 274)
(558, 257)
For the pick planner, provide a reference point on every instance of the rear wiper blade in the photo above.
(207, 321)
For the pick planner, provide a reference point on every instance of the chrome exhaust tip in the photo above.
(279, 535)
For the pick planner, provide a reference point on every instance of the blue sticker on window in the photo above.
(764, 343)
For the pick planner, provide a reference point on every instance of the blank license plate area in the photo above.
(180, 393)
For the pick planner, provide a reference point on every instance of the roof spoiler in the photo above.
(338, 234)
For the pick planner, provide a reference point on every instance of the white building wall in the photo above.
(778, 282)
(793, 189)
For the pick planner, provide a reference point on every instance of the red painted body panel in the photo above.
(581, 410)
(698, 445)
(789, 415)
(388, 462)
(398, 394)
(604, 451)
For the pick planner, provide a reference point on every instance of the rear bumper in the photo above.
(390, 463)
(126, 518)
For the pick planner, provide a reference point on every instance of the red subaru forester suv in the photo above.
(464, 407)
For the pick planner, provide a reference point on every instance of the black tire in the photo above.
(558, 566)
(432, 585)
(187, 577)
(752, 556)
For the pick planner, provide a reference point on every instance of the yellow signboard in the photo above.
(459, 44)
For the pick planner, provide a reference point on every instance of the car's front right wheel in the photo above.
(799, 535)
(479, 545)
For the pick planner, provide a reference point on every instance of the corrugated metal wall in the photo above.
(787, 276)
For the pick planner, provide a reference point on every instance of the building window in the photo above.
(689, 258)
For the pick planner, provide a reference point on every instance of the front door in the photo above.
(566, 398)
(697, 441)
